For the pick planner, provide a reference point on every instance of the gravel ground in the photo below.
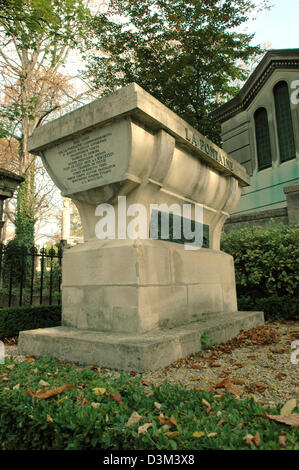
(256, 363)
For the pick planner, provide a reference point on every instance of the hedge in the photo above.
(266, 259)
(266, 267)
(274, 308)
(16, 319)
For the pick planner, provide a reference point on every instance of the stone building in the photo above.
(260, 129)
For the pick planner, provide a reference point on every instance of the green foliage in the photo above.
(266, 260)
(274, 308)
(16, 319)
(30, 272)
(80, 419)
(267, 269)
(186, 53)
(14, 263)
(206, 341)
(24, 220)
(29, 264)
(62, 21)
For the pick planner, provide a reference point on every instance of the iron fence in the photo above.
(30, 276)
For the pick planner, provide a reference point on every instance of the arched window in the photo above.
(284, 122)
(262, 135)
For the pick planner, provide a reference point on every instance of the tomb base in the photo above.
(140, 305)
(138, 352)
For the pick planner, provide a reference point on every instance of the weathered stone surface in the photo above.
(132, 303)
(139, 285)
(130, 351)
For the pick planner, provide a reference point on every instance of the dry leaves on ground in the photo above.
(44, 394)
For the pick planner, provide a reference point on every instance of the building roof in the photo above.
(272, 60)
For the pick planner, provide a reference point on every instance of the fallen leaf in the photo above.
(133, 373)
(257, 439)
(206, 403)
(224, 374)
(30, 359)
(116, 396)
(49, 419)
(158, 405)
(288, 407)
(212, 434)
(145, 382)
(280, 376)
(99, 391)
(252, 358)
(195, 366)
(95, 405)
(16, 387)
(234, 390)
(222, 384)
(142, 429)
(35, 370)
(10, 366)
(173, 421)
(290, 420)
(255, 387)
(42, 383)
(282, 440)
(42, 395)
(253, 440)
(134, 419)
(238, 381)
(238, 365)
(221, 422)
(168, 421)
(198, 434)
(166, 427)
(172, 435)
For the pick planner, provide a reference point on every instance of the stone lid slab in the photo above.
(135, 102)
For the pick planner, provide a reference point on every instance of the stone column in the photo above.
(66, 221)
(8, 183)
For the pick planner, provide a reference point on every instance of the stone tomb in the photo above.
(139, 304)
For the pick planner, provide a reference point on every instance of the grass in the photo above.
(94, 414)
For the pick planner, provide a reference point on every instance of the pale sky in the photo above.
(279, 26)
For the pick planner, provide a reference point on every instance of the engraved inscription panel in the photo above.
(90, 160)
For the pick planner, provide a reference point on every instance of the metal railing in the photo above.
(30, 276)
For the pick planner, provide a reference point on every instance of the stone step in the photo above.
(141, 353)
